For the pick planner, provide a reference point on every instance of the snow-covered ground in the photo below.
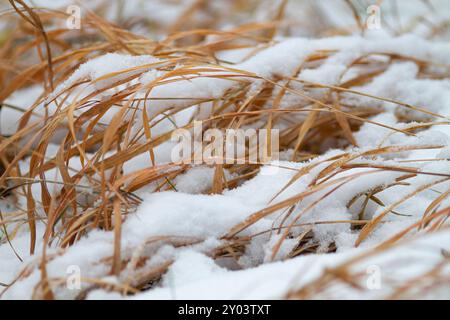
(183, 230)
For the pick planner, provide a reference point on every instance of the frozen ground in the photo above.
(397, 254)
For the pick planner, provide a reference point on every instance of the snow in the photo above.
(208, 217)
(107, 64)
(190, 215)
(9, 117)
(275, 280)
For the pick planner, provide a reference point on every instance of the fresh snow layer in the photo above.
(167, 218)
(195, 276)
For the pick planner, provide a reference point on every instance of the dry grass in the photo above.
(35, 54)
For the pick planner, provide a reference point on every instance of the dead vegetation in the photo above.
(35, 49)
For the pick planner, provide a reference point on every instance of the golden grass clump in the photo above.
(37, 50)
